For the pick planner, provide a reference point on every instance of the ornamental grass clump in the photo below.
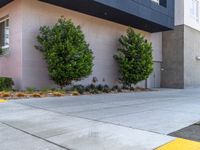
(58, 94)
(36, 95)
(5, 94)
(66, 52)
(20, 94)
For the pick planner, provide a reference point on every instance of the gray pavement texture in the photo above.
(191, 132)
(129, 121)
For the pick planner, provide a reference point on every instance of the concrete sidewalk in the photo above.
(137, 121)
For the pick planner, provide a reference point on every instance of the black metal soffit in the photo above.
(96, 9)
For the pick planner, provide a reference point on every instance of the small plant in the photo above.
(6, 84)
(5, 94)
(75, 93)
(94, 91)
(60, 90)
(20, 94)
(36, 95)
(115, 88)
(132, 89)
(106, 89)
(94, 80)
(57, 94)
(30, 89)
(100, 87)
(79, 88)
(125, 87)
(46, 90)
(119, 90)
(90, 87)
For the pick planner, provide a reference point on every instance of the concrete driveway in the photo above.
(136, 121)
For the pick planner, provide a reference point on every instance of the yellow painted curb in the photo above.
(181, 144)
(3, 100)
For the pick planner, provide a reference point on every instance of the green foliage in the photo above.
(46, 90)
(1, 51)
(66, 52)
(134, 58)
(30, 89)
(79, 88)
(100, 87)
(6, 84)
(91, 89)
(106, 89)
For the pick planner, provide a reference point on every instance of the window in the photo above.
(194, 10)
(161, 2)
(156, 1)
(4, 33)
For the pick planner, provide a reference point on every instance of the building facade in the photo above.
(102, 21)
(181, 47)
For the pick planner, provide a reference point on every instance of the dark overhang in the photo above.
(4, 2)
(127, 12)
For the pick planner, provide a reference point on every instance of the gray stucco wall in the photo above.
(191, 51)
(172, 74)
(26, 65)
(101, 34)
(180, 67)
(11, 63)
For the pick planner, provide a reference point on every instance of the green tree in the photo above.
(66, 52)
(1, 51)
(134, 58)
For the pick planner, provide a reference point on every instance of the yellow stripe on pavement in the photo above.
(3, 100)
(181, 144)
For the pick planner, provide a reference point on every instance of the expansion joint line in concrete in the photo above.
(34, 136)
(100, 121)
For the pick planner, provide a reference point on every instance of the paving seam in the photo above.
(96, 120)
(92, 109)
(35, 136)
(102, 102)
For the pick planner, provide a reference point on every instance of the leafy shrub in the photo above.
(46, 90)
(5, 94)
(134, 58)
(90, 87)
(119, 90)
(35, 95)
(94, 91)
(6, 83)
(1, 51)
(79, 88)
(20, 94)
(66, 52)
(106, 89)
(75, 93)
(100, 87)
(58, 94)
(116, 87)
(30, 89)
(94, 80)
